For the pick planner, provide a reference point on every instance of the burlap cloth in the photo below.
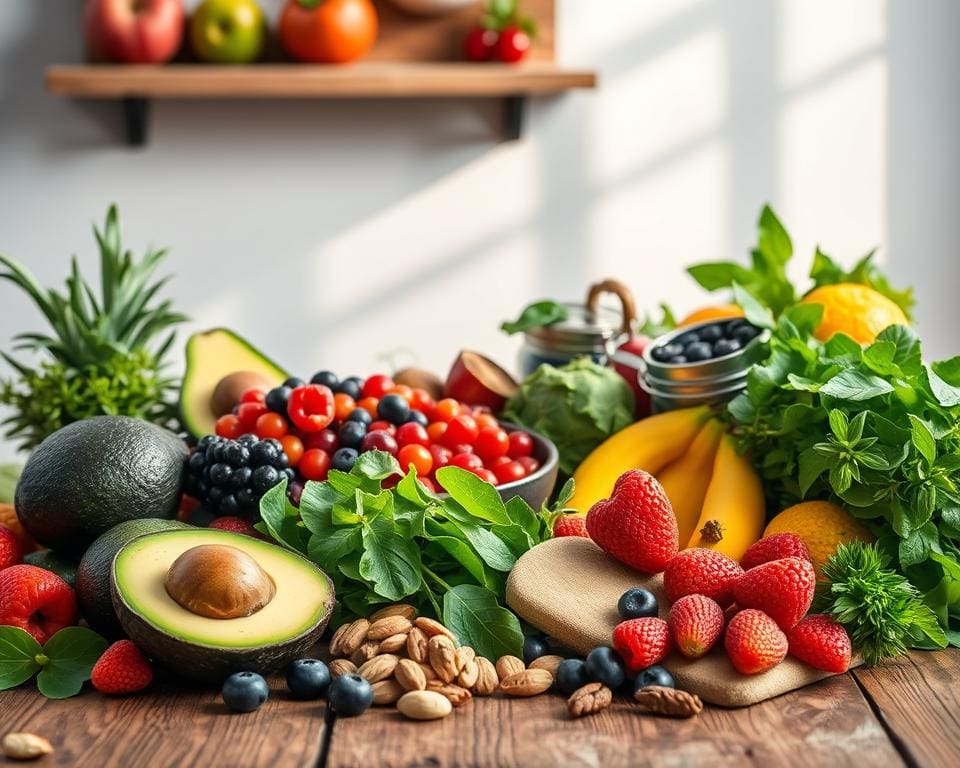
(569, 588)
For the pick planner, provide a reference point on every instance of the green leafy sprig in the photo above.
(539, 314)
(61, 665)
(500, 14)
(449, 556)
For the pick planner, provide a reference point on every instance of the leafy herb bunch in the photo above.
(449, 556)
(105, 353)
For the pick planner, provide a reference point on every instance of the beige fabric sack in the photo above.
(569, 588)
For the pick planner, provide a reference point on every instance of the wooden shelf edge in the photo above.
(279, 81)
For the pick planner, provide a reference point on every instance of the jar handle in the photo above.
(620, 290)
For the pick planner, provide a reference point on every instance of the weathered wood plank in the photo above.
(918, 699)
(172, 725)
(828, 723)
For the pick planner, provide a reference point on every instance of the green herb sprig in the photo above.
(449, 556)
(61, 665)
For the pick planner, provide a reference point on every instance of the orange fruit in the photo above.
(8, 517)
(716, 312)
(856, 310)
(823, 526)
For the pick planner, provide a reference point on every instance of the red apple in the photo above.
(134, 31)
(477, 380)
(627, 361)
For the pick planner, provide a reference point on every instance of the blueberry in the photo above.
(745, 333)
(262, 453)
(197, 462)
(277, 399)
(360, 415)
(637, 603)
(248, 439)
(352, 386)
(236, 454)
(418, 417)
(534, 646)
(393, 408)
(677, 360)
(351, 434)
(350, 695)
(605, 666)
(244, 691)
(344, 459)
(711, 333)
(207, 440)
(220, 474)
(264, 478)
(666, 351)
(290, 473)
(241, 477)
(308, 678)
(229, 505)
(214, 494)
(725, 347)
(572, 675)
(327, 379)
(686, 338)
(733, 325)
(294, 381)
(655, 675)
(245, 498)
(697, 351)
(281, 462)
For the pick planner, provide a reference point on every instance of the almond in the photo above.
(393, 644)
(417, 644)
(342, 667)
(410, 675)
(383, 628)
(428, 672)
(487, 678)
(399, 609)
(431, 628)
(509, 665)
(378, 668)
(365, 652)
(549, 663)
(353, 637)
(469, 674)
(336, 642)
(457, 695)
(465, 654)
(443, 658)
(25, 746)
(424, 705)
(387, 692)
(530, 682)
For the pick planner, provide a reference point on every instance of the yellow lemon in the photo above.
(717, 312)
(853, 309)
(822, 526)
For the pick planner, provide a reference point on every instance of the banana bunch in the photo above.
(716, 495)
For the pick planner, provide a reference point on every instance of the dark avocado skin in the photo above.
(93, 573)
(92, 474)
(64, 567)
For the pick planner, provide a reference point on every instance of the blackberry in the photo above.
(229, 477)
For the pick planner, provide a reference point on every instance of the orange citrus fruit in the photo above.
(822, 526)
(716, 312)
(856, 310)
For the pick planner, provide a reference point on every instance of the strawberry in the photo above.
(783, 589)
(571, 525)
(696, 623)
(121, 669)
(821, 642)
(235, 525)
(641, 642)
(700, 571)
(774, 547)
(754, 642)
(11, 548)
(636, 525)
(36, 600)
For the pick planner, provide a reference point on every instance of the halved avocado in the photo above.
(220, 365)
(173, 591)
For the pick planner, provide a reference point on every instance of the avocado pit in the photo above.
(219, 582)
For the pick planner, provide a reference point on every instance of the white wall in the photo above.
(335, 234)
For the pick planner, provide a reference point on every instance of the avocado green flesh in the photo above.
(303, 593)
(211, 356)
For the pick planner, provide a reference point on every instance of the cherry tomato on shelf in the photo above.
(529, 463)
(521, 444)
(510, 472)
(441, 456)
(445, 409)
(480, 44)
(248, 413)
(314, 464)
(369, 404)
(403, 390)
(311, 407)
(418, 456)
(325, 439)
(229, 426)
(412, 433)
(487, 476)
(468, 461)
(491, 443)
(253, 396)
(293, 447)
(436, 431)
(343, 406)
(513, 45)
(422, 401)
(271, 425)
(377, 386)
(461, 429)
(380, 440)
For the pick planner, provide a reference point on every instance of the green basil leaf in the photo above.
(344, 483)
(316, 506)
(916, 548)
(946, 394)
(474, 616)
(824, 270)
(811, 466)
(923, 439)
(907, 342)
(328, 548)
(879, 356)
(376, 465)
(389, 561)
(479, 498)
(855, 386)
(371, 506)
(18, 656)
(948, 370)
(773, 241)
(409, 489)
(281, 519)
(754, 311)
(805, 317)
(838, 424)
(842, 346)
(523, 515)
(720, 274)
(488, 546)
(461, 552)
(537, 315)
(71, 654)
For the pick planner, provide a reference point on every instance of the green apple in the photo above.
(228, 31)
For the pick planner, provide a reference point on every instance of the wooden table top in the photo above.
(906, 712)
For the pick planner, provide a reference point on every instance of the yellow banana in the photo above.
(686, 479)
(650, 444)
(734, 512)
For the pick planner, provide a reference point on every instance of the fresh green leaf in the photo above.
(326, 549)
(389, 561)
(71, 654)
(537, 315)
(9, 475)
(479, 498)
(715, 275)
(855, 386)
(282, 519)
(18, 657)
(474, 616)
(376, 465)
(922, 438)
(755, 312)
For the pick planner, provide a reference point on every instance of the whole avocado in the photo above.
(64, 567)
(93, 572)
(92, 474)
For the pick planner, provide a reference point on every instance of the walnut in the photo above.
(668, 701)
(591, 698)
